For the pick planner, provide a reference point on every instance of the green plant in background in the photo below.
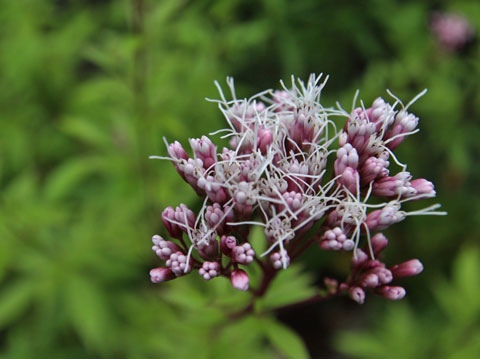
(448, 327)
(87, 90)
(425, 326)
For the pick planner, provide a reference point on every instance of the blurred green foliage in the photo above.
(88, 89)
(448, 328)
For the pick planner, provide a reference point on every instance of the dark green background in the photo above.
(87, 91)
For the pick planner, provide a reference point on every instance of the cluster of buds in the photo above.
(276, 175)
(452, 31)
(368, 273)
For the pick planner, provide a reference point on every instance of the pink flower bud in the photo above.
(379, 243)
(178, 263)
(205, 150)
(422, 186)
(176, 151)
(265, 139)
(213, 189)
(293, 199)
(370, 280)
(372, 168)
(243, 254)
(391, 292)
(239, 279)
(217, 217)
(227, 243)
(161, 274)
(407, 269)
(404, 122)
(296, 174)
(357, 294)
(213, 215)
(394, 186)
(383, 274)
(359, 258)
(379, 113)
(359, 129)
(193, 170)
(347, 156)
(279, 259)
(335, 239)
(210, 250)
(244, 197)
(381, 219)
(168, 217)
(209, 270)
(163, 248)
(185, 216)
(452, 31)
(350, 179)
(177, 154)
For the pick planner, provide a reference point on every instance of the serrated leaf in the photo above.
(290, 286)
(284, 339)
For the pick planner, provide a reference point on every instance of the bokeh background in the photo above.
(89, 88)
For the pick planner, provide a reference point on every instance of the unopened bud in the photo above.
(227, 243)
(209, 270)
(422, 186)
(239, 279)
(379, 243)
(243, 254)
(370, 280)
(357, 294)
(407, 269)
(392, 293)
(161, 274)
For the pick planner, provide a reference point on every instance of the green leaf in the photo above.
(359, 345)
(69, 175)
(257, 239)
(242, 338)
(290, 286)
(466, 270)
(467, 349)
(398, 335)
(86, 131)
(284, 339)
(89, 312)
(14, 300)
(459, 300)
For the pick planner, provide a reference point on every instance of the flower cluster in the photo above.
(452, 31)
(287, 169)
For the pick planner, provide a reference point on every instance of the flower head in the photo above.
(274, 175)
(452, 31)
